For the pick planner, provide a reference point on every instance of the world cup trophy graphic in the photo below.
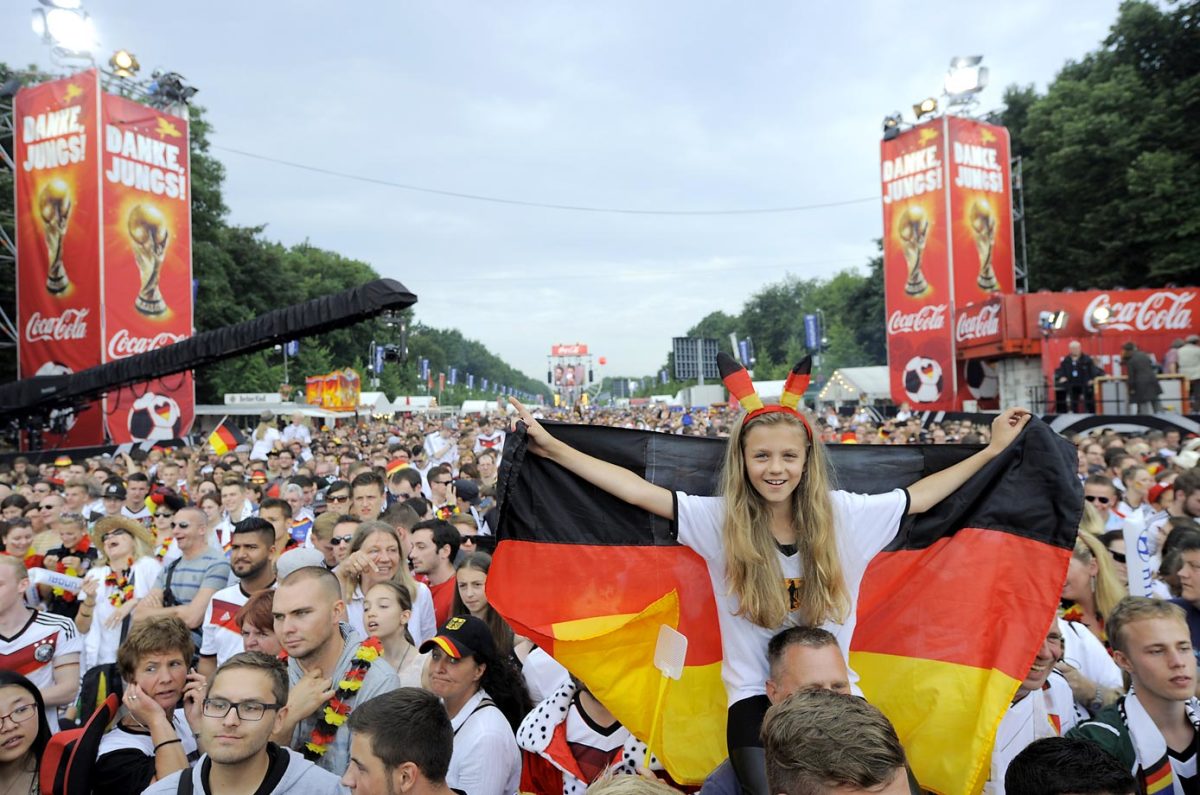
(148, 231)
(982, 219)
(913, 230)
(54, 206)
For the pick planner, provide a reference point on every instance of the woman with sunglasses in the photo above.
(24, 733)
(113, 590)
(1092, 589)
(165, 548)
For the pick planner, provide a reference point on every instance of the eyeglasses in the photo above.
(20, 714)
(181, 525)
(246, 710)
(343, 498)
(1119, 557)
(1094, 498)
(161, 515)
(104, 538)
(336, 540)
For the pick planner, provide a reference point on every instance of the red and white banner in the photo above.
(147, 263)
(1151, 319)
(578, 349)
(916, 267)
(57, 152)
(981, 227)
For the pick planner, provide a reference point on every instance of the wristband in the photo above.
(167, 742)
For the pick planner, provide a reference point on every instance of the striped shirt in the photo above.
(208, 570)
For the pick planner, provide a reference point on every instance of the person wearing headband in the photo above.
(782, 546)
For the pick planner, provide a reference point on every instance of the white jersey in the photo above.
(100, 643)
(1049, 712)
(863, 524)
(38, 648)
(222, 638)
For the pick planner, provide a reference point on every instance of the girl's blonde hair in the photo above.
(403, 576)
(1091, 522)
(752, 567)
(1108, 589)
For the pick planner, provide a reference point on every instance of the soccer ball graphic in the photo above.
(922, 380)
(154, 418)
(982, 380)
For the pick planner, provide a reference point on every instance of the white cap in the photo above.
(297, 559)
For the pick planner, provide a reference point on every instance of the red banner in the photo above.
(916, 268)
(1152, 319)
(57, 153)
(578, 349)
(147, 262)
(981, 225)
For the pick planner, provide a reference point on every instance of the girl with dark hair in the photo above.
(24, 733)
(470, 598)
(486, 700)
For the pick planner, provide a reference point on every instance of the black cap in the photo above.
(114, 491)
(467, 489)
(463, 636)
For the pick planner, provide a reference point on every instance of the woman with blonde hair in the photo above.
(782, 546)
(1092, 587)
(111, 592)
(376, 556)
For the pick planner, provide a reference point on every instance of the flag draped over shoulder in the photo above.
(225, 438)
(950, 614)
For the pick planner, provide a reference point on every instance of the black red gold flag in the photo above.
(225, 438)
(950, 614)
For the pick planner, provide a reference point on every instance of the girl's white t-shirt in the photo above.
(864, 524)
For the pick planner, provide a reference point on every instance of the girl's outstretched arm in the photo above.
(617, 481)
(928, 492)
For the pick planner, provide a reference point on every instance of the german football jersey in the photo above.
(32, 651)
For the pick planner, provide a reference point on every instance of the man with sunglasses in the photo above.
(199, 573)
(245, 703)
(1101, 494)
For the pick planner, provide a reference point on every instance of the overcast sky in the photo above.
(634, 105)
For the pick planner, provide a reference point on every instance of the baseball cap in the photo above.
(467, 490)
(298, 558)
(266, 416)
(114, 491)
(1158, 489)
(462, 636)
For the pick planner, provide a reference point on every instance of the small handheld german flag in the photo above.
(225, 438)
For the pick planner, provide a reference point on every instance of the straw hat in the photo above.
(131, 526)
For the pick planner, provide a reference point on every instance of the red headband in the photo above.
(737, 381)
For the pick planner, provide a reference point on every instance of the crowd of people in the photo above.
(309, 613)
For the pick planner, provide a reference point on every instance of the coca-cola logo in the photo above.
(70, 325)
(984, 323)
(1165, 310)
(927, 318)
(124, 344)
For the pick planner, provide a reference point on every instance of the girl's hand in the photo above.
(540, 440)
(117, 616)
(1007, 426)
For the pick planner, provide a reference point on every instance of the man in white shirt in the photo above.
(442, 446)
(137, 486)
(252, 556)
(297, 431)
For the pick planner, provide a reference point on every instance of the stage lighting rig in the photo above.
(892, 126)
(124, 64)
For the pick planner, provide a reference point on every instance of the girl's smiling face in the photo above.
(775, 456)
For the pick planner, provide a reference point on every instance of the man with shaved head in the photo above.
(322, 649)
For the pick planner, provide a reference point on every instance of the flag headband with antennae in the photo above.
(737, 381)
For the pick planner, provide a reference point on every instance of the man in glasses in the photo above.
(403, 485)
(244, 704)
(1101, 494)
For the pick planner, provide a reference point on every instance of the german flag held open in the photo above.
(950, 616)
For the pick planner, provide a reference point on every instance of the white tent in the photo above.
(374, 403)
(848, 383)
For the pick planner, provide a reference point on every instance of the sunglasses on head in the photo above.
(343, 498)
(1119, 557)
(1094, 498)
(338, 540)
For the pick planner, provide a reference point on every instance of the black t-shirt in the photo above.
(1189, 760)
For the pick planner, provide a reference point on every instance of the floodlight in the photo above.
(67, 29)
(925, 107)
(124, 64)
(891, 126)
(965, 78)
